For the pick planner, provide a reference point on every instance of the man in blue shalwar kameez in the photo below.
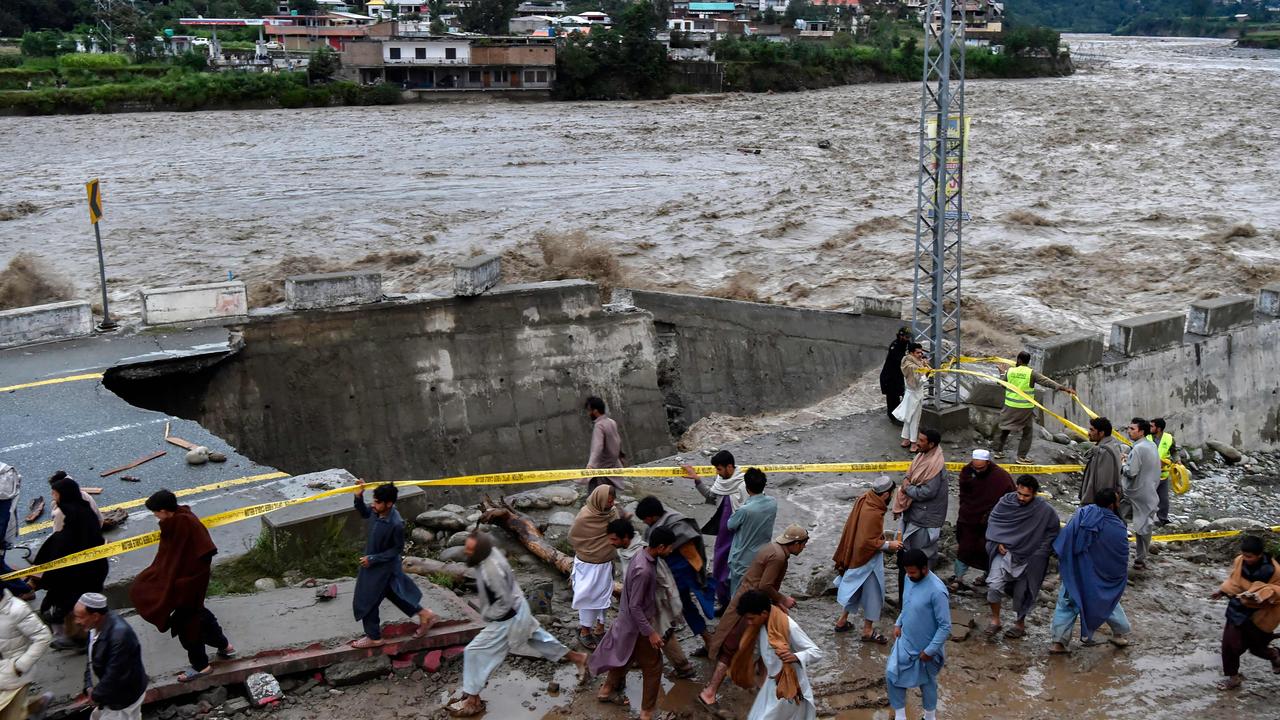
(921, 632)
(381, 575)
(1093, 561)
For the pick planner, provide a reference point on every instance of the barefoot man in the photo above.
(381, 575)
(511, 627)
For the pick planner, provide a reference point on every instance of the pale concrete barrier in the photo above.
(214, 302)
(40, 323)
(1153, 331)
(1062, 353)
(308, 292)
(474, 276)
(1220, 314)
(880, 307)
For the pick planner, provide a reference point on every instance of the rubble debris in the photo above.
(134, 464)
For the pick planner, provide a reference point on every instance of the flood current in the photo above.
(1145, 181)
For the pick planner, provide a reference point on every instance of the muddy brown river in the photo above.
(1146, 180)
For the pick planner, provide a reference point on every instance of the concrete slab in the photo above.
(946, 420)
(879, 306)
(42, 323)
(1153, 331)
(1219, 314)
(314, 520)
(477, 274)
(217, 302)
(282, 631)
(308, 292)
(1269, 300)
(1060, 354)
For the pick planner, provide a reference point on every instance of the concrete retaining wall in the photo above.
(424, 389)
(744, 358)
(194, 303)
(1220, 386)
(41, 323)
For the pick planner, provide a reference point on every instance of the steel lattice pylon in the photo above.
(935, 315)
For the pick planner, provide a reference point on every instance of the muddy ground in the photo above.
(1167, 672)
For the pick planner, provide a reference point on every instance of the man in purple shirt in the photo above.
(606, 444)
(632, 638)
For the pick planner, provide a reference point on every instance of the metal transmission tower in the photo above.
(105, 12)
(935, 316)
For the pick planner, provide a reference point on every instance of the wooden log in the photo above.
(134, 464)
(527, 532)
(459, 572)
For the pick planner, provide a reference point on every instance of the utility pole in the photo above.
(935, 315)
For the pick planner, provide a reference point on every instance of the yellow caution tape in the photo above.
(139, 502)
(53, 381)
(512, 478)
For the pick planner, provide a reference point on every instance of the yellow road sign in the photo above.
(95, 200)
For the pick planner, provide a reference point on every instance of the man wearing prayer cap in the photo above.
(765, 573)
(115, 661)
(982, 484)
(859, 560)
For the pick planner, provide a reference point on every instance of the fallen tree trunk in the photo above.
(527, 532)
(426, 567)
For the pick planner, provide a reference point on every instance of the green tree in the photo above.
(796, 10)
(770, 16)
(488, 17)
(305, 7)
(43, 43)
(323, 65)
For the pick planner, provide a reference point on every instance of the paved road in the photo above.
(84, 428)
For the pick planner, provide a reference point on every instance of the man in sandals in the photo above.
(633, 639)
(1252, 613)
(622, 535)
(510, 628)
(381, 575)
(859, 560)
(1093, 562)
(1020, 535)
(920, 637)
(170, 593)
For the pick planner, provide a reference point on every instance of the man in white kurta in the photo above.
(510, 628)
(756, 607)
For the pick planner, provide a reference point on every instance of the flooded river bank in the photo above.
(1151, 175)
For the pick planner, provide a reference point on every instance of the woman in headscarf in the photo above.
(81, 529)
(593, 558)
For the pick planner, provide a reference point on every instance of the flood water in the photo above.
(1141, 183)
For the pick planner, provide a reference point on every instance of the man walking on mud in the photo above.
(606, 444)
(1253, 612)
(1140, 471)
(1093, 563)
(1102, 466)
(1020, 535)
(1019, 412)
(920, 638)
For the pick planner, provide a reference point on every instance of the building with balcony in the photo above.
(454, 63)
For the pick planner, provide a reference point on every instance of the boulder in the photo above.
(1228, 453)
(458, 539)
(440, 520)
(264, 584)
(198, 455)
(560, 517)
(455, 509)
(354, 672)
(539, 595)
(560, 494)
(821, 583)
(1235, 523)
(456, 553)
(423, 536)
(529, 501)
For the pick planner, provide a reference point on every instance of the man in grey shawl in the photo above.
(511, 626)
(1020, 534)
(1102, 467)
(1141, 473)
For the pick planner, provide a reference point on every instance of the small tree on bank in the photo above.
(323, 66)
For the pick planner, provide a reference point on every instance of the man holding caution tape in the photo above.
(1019, 413)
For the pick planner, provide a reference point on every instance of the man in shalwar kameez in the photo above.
(921, 633)
(859, 560)
(1020, 535)
(728, 493)
(381, 574)
(510, 626)
(774, 643)
(633, 640)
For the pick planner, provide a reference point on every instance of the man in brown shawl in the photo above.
(859, 560)
(982, 484)
(765, 573)
(593, 557)
(1253, 611)
(170, 593)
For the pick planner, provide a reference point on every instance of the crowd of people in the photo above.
(673, 578)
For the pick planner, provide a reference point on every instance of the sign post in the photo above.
(94, 194)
